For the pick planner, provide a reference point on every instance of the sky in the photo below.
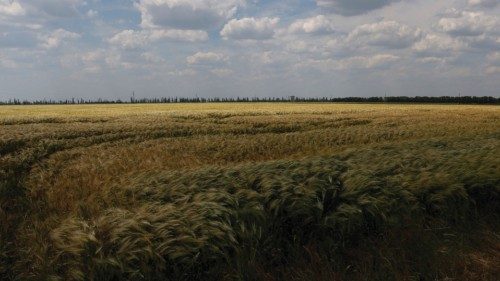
(61, 49)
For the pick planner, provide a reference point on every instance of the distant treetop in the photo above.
(295, 99)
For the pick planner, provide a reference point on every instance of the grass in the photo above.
(249, 192)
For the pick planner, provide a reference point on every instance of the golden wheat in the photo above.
(107, 191)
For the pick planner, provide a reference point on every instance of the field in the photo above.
(250, 191)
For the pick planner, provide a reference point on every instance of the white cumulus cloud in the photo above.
(389, 34)
(437, 45)
(202, 58)
(186, 14)
(131, 39)
(54, 8)
(353, 7)
(494, 58)
(483, 3)
(379, 60)
(57, 37)
(221, 72)
(355, 63)
(11, 8)
(313, 25)
(469, 24)
(250, 28)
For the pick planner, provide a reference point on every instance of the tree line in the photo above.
(392, 99)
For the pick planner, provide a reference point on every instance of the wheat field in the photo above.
(249, 191)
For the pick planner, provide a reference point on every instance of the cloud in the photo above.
(37, 14)
(17, 39)
(57, 37)
(494, 58)
(6, 62)
(186, 14)
(376, 61)
(270, 58)
(93, 62)
(11, 8)
(92, 13)
(493, 61)
(356, 63)
(484, 42)
(221, 72)
(353, 7)
(131, 39)
(483, 3)
(389, 34)
(437, 45)
(183, 72)
(313, 25)
(469, 24)
(152, 58)
(54, 8)
(250, 28)
(299, 46)
(492, 70)
(208, 58)
(125, 41)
